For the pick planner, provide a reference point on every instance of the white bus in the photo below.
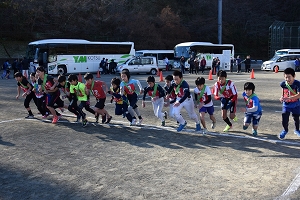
(287, 51)
(61, 56)
(160, 56)
(207, 50)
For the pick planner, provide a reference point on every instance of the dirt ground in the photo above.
(40, 160)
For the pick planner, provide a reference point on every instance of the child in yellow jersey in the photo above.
(77, 89)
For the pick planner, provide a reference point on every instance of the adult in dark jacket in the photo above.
(247, 62)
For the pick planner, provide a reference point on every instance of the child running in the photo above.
(203, 102)
(226, 92)
(170, 95)
(24, 85)
(47, 85)
(77, 89)
(121, 102)
(129, 87)
(183, 100)
(96, 88)
(157, 94)
(253, 109)
(290, 101)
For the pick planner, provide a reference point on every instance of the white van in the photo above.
(160, 56)
(139, 65)
(280, 61)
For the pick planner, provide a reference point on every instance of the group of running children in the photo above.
(46, 91)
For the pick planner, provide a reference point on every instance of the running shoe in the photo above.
(54, 120)
(226, 129)
(29, 117)
(166, 115)
(245, 127)
(213, 125)
(297, 132)
(181, 126)
(198, 127)
(282, 135)
(140, 121)
(204, 131)
(235, 119)
(163, 123)
(45, 116)
(84, 122)
(108, 120)
(133, 122)
(254, 132)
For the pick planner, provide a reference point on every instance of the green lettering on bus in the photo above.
(80, 59)
(208, 57)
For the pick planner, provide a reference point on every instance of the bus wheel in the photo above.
(153, 72)
(61, 70)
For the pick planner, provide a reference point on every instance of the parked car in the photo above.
(281, 62)
(138, 65)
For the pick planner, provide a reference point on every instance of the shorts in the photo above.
(54, 99)
(210, 110)
(295, 110)
(226, 104)
(252, 117)
(100, 103)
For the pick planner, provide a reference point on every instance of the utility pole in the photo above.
(220, 21)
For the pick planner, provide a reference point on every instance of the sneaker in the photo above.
(254, 132)
(78, 118)
(97, 118)
(45, 116)
(163, 123)
(204, 131)
(108, 120)
(133, 122)
(198, 127)
(84, 122)
(29, 117)
(297, 132)
(54, 120)
(58, 117)
(245, 127)
(166, 115)
(140, 121)
(282, 135)
(103, 118)
(181, 126)
(235, 119)
(226, 129)
(213, 125)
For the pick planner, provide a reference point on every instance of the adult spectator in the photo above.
(102, 66)
(182, 64)
(202, 64)
(112, 67)
(14, 66)
(166, 60)
(239, 64)
(192, 64)
(247, 62)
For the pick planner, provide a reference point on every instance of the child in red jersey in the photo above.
(24, 85)
(96, 88)
(226, 92)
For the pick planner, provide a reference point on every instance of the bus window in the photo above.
(124, 49)
(76, 49)
(94, 49)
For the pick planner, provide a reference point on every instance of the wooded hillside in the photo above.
(151, 24)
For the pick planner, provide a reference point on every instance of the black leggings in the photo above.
(28, 98)
(285, 121)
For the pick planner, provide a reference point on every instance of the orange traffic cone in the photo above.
(98, 74)
(79, 78)
(252, 74)
(276, 69)
(161, 78)
(210, 75)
